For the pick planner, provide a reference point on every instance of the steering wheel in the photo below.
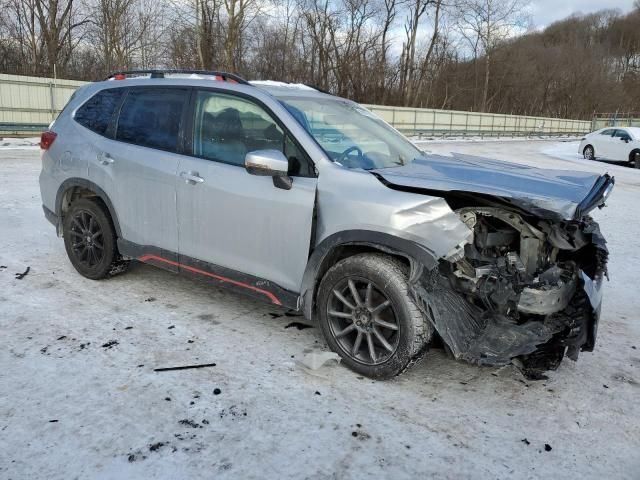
(345, 156)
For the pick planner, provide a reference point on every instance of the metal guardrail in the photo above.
(435, 134)
(22, 129)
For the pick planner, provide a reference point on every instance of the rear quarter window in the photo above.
(97, 112)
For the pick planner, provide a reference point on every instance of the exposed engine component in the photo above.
(510, 266)
(517, 292)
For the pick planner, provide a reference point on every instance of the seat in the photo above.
(224, 137)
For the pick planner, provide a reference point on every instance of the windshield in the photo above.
(351, 135)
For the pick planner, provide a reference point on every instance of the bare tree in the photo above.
(44, 32)
(487, 23)
(122, 31)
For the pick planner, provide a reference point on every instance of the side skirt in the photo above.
(219, 276)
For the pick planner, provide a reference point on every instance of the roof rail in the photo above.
(160, 73)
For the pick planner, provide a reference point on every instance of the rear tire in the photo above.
(589, 153)
(391, 337)
(90, 240)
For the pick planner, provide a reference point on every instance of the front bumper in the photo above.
(533, 343)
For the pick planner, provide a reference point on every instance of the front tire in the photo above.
(90, 240)
(368, 317)
(589, 153)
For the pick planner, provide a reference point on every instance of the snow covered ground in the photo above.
(79, 397)
(31, 143)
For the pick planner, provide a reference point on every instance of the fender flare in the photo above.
(89, 185)
(385, 242)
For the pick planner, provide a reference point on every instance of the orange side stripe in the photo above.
(271, 296)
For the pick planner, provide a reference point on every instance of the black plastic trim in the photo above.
(378, 240)
(81, 182)
(51, 216)
(256, 287)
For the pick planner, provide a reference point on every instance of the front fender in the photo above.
(321, 257)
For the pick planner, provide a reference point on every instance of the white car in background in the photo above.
(619, 144)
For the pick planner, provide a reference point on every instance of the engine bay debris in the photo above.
(524, 290)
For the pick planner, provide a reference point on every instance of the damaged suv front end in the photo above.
(525, 287)
(501, 260)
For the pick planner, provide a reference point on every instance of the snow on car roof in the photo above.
(273, 83)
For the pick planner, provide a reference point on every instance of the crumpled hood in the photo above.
(548, 193)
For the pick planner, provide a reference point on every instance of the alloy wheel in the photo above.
(87, 238)
(362, 321)
(588, 153)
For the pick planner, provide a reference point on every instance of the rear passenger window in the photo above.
(96, 114)
(151, 117)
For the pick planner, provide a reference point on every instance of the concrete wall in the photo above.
(31, 103)
(33, 100)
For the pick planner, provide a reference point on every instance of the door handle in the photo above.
(191, 178)
(105, 159)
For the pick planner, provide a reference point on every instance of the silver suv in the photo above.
(312, 203)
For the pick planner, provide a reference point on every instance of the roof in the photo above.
(285, 89)
(271, 87)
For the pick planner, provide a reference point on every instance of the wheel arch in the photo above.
(633, 153)
(73, 188)
(345, 244)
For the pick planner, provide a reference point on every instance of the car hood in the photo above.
(559, 194)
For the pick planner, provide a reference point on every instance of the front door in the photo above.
(230, 218)
(603, 143)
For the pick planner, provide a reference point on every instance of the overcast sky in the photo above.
(545, 12)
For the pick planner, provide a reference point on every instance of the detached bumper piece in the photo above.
(519, 293)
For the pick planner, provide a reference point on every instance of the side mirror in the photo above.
(269, 163)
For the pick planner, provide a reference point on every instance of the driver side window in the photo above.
(227, 127)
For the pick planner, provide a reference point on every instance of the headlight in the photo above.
(606, 194)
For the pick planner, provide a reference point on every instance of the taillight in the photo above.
(46, 139)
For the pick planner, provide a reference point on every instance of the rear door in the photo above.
(229, 218)
(140, 162)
